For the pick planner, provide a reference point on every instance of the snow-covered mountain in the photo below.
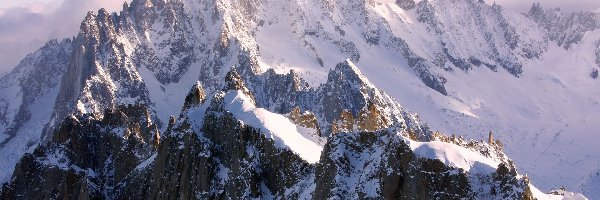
(323, 80)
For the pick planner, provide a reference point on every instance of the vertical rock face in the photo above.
(279, 92)
(100, 71)
(117, 55)
(368, 119)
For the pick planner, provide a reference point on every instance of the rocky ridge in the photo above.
(208, 153)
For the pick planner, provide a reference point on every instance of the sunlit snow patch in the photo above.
(454, 156)
(274, 126)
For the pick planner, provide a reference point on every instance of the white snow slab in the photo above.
(455, 156)
(275, 126)
(564, 195)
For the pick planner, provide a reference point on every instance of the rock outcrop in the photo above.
(305, 119)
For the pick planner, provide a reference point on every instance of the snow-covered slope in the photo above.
(464, 66)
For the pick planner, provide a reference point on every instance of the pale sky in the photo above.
(25, 25)
(17, 3)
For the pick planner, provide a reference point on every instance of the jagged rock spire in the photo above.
(491, 138)
(233, 80)
(195, 97)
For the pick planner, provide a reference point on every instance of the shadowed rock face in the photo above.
(86, 157)
(238, 162)
(225, 160)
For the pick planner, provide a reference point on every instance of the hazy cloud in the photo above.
(25, 29)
